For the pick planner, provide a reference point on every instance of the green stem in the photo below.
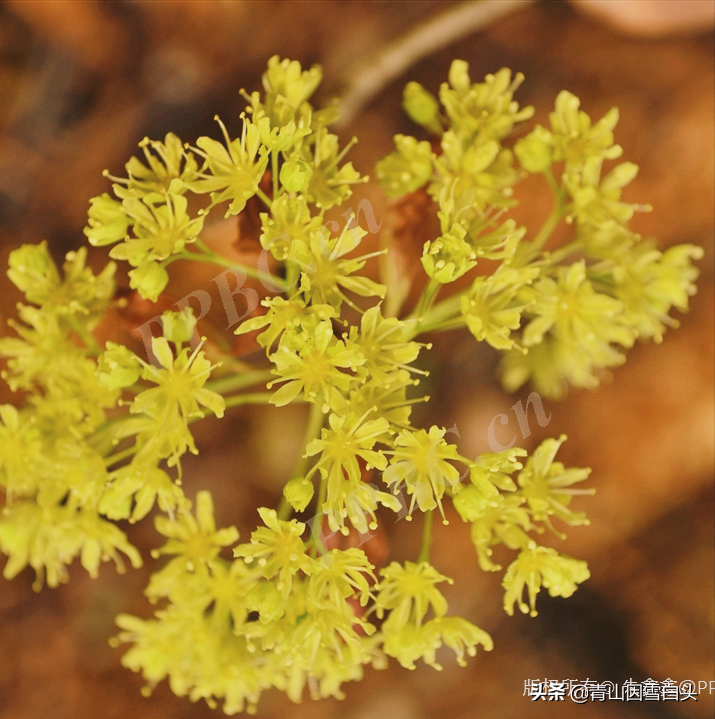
(222, 386)
(240, 380)
(318, 544)
(316, 419)
(551, 181)
(428, 297)
(291, 282)
(274, 173)
(216, 259)
(119, 456)
(546, 231)
(102, 436)
(249, 398)
(266, 200)
(284, 508)
(416, 318)
(441, 316)
(427, 523)
(198, 242)
(563, 252)
(454, 323)
(233, 401)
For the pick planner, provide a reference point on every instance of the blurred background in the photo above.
(82, 82)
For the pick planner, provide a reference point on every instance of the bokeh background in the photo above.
(82, 82)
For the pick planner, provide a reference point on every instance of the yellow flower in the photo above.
(541, 566)
(315, 369)
(351, 438)
(420, 460)
(409, 592)
(546, 484)
(234, 171)
(196, 543)
(449, 256)
(279, 550)
(178, 396)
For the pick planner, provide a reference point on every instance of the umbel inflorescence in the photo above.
(99, 434)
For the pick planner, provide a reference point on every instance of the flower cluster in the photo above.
(99, 433)
(275, 616)
(409, 593)
(559, 323)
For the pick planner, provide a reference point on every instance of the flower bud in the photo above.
(448, 257)
(108, 222)
(178, 327)
(299, 491)
(295, 175)
(149, 280)
(33, 271)
(118, 367)
(534, 151)
(420, 105)
(470, 503)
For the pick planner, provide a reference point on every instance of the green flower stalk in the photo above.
(96, 433)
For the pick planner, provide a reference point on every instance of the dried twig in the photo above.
(366, 81)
